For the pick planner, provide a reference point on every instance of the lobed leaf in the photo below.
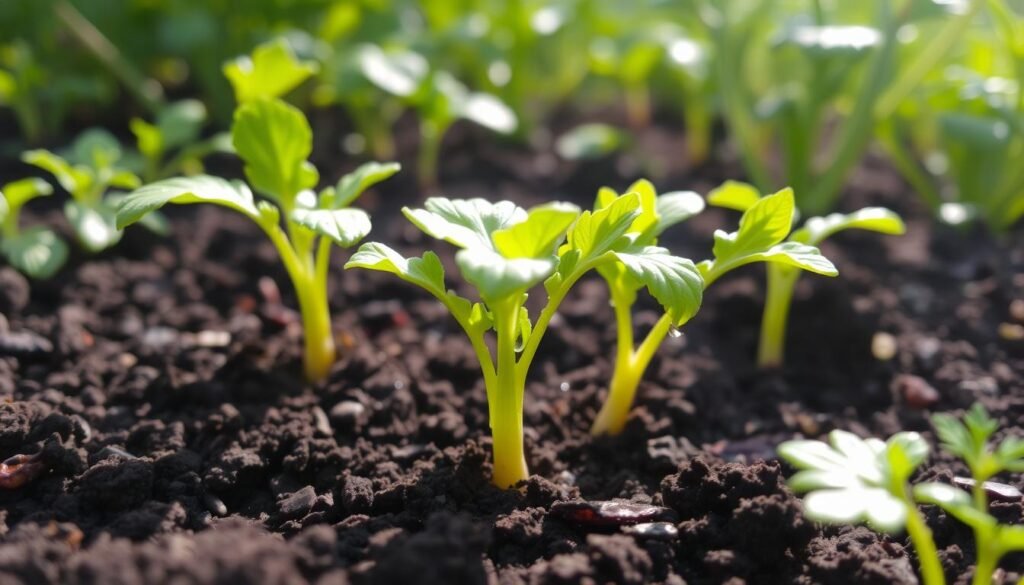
(539, 235)
(274, 139)
(184, 190)
(272, 71)
(598, 232)
(344, 226)
(497, 277)
(466, 223)
(426, 272)
(674, 282)
(766, 223)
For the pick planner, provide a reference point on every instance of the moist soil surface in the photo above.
(159, 386)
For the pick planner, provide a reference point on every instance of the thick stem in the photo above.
(985, 565)
(507, 414)
(628, 373)
(779, 296)
(316, 329)
(924, 544)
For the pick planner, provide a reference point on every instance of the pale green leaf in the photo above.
(96, 148)
(539, 235)
(426, 272)
(497, 277)
(489, 112)
(400, 73)
(344, 226)
(37, 252)
(95, 227)
(766, 223)
(674, 282)
(876, 219)
(797, 255)
(598, 232)
(274, 139)
(734, 195)
(677, 207)
(179, 123)
(183, 190)
(272, 71)
(352, 185)
(466, 223)
(955, 502)
(148, 138)
(590, 141)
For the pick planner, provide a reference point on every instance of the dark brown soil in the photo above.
(160, 384)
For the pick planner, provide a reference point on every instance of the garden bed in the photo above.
(162, 383)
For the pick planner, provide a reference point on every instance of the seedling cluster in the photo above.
(790, 98)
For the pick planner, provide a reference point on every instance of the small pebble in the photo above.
(883, 346)
(347, 412)
(112, 451)
(609, 513)
(298, 504)
(653, 530)
(1011, 331)
(208, 338)
(322, 425)
(24, 344)
(215, 505)
(916, 392)
(1017, 310)
(159, 338)
(995, 490)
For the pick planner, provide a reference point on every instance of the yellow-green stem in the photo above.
(320, 351)
(779, 296)
(924, 544)
(507, 412)
(630, 367)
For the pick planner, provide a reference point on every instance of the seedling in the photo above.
(782, 279)
(760, 238)
(505, 252)
(438, 98)
(813, 80)
(856, 480)
(37, 251)
(271, 71)
(171, 145)
(274, 140)
(88, 172)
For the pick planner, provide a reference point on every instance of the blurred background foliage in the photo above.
(800, 89)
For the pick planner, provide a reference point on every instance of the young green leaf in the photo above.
(272, 71)
(676, 207)
(426, 272)
(876, 219)
(850, 480)
(766, 223)
(497, 277)
(467, 223)
(72, 178)
(355, 183)
(539, 234)
(674, 282)
(184, 190)
(95, 226)
(274, 139)
(597, 232)
(344, 226)
(37, 252)
(18, 193)
(734, 195)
